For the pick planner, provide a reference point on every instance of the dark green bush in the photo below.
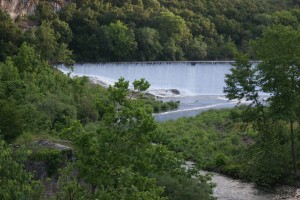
(11, 125)
(220, 159)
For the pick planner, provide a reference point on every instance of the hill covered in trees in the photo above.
(146, 30)
(119, 152)
(110, 132)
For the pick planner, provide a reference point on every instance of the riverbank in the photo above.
(219, 141)
(228, 188)
(234, 189)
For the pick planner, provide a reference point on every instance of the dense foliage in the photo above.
(170, 30)
(145, 30)
(120, 153)
(258, 142)
(112, 132)
(15, 182)
(226, 141)
(278, 75)
(119, 159)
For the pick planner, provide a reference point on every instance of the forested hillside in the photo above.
(116, 150)
(109, 131)
(146, 30)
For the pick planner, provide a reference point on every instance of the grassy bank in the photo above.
(221, 141)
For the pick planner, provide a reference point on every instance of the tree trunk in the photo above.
(293, 149)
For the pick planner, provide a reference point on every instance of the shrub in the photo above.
(10, 121)
(220, 159)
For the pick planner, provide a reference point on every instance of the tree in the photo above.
(10, 36)
(149, 46)
(123, 41)
(11, 90)
(11, 124)
(15, 182)
(69, 185)
(195, 49)
(279, 51)
(278, 74)
(45, 12)
(119, 160)
(11, 85)
(285, 18)
(116, 150)
(67, 12)
(242, 84)
(27, 60)
(169, 26)
(172, 31)
(47, 44)
(62, 31)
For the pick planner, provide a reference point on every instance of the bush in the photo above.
(232, 170)
(15, 181)
(268, 162)
(180, 187)
(10, 121)
(220, 159)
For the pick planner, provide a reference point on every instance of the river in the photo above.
(231, 189)
(227, 188)
(201, 88)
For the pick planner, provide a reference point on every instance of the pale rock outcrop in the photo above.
(17, 8)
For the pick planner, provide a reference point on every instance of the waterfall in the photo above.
(199, 78)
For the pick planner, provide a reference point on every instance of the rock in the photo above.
(95, 80)
(44, 165)
(51, 145)
(17, 8)
(173, 91)
(149, 95)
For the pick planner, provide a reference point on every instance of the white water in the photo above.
(200, 84)
(189, 79)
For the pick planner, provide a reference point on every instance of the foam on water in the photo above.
(198, 86)
(196, 108)
(190, 80)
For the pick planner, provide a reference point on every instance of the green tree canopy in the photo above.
(277, 75)
(45, 12)
(149, 47)
(123, 41)
(15, 182)
(47, 44)
(10, 36)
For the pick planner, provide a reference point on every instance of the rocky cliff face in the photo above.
(26, 7)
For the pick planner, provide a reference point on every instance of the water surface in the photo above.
(189, 79)
(200, 84)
